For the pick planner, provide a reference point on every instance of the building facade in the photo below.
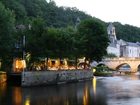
(121, 48)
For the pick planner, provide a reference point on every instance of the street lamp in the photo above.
(22, 28)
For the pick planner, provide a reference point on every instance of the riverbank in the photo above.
(3, 77)
(37, 78)
(105, 74)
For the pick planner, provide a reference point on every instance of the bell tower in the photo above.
(111, 33)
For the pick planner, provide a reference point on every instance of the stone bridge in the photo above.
(116, 63)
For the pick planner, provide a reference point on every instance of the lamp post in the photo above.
(22, 28)
(23, 56)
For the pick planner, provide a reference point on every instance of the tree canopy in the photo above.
(6, 32)
(95, 41)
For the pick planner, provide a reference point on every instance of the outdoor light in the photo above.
(94, 70)
(19, 65)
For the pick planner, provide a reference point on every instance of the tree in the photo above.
(7, 20)
(16, 7)
(58, 42)
(34, 38)
(94, 39)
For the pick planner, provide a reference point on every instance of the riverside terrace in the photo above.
(49, 64)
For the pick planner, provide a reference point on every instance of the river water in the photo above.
(117, 90)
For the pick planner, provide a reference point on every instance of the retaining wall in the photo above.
(3, 77)
(35, 78)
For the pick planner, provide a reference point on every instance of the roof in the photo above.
(110, 26)
(133, 44)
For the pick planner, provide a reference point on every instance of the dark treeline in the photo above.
(26, 10)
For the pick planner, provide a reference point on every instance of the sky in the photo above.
(124, 11)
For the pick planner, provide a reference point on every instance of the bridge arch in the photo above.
(138, 68)
(124, 66)
(102, 63)
(115, 63)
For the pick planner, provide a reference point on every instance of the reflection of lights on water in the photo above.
(85, 96)
(134, 77)
(66, 102)
(17, 97)
(27, 101)
(94, 88)
(3, 87)
(94, 85)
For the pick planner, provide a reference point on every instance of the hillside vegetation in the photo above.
(54, 16)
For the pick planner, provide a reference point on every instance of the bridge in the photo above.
(116, 63)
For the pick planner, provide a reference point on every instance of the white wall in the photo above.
(132, 51)
(114, 50)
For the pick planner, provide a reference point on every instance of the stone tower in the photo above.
(77, 22)
(111, 33)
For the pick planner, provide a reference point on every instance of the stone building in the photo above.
(121, 48)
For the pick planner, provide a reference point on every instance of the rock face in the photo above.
(36, 78)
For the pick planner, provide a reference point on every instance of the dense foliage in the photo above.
(53, 16)
(6, 34)
(95, 40)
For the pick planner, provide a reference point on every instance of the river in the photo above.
(117, 90)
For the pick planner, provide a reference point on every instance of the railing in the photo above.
(122, 58)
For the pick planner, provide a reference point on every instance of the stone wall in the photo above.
(3, 77)
(35, 78)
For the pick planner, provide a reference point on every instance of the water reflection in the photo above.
(17, 96)
(3, 87)
(123, 90)
(94, 85)
(82, 93)
(27, 101)
(85, 95)
(94, 88)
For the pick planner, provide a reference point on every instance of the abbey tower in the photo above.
(111, 33)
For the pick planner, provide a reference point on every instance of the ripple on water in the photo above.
(133, 101)
(122, 90)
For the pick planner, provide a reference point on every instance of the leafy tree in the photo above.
(17, 8)
(95, 41)
(34, 39)
(57, 42)
(6, 35)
